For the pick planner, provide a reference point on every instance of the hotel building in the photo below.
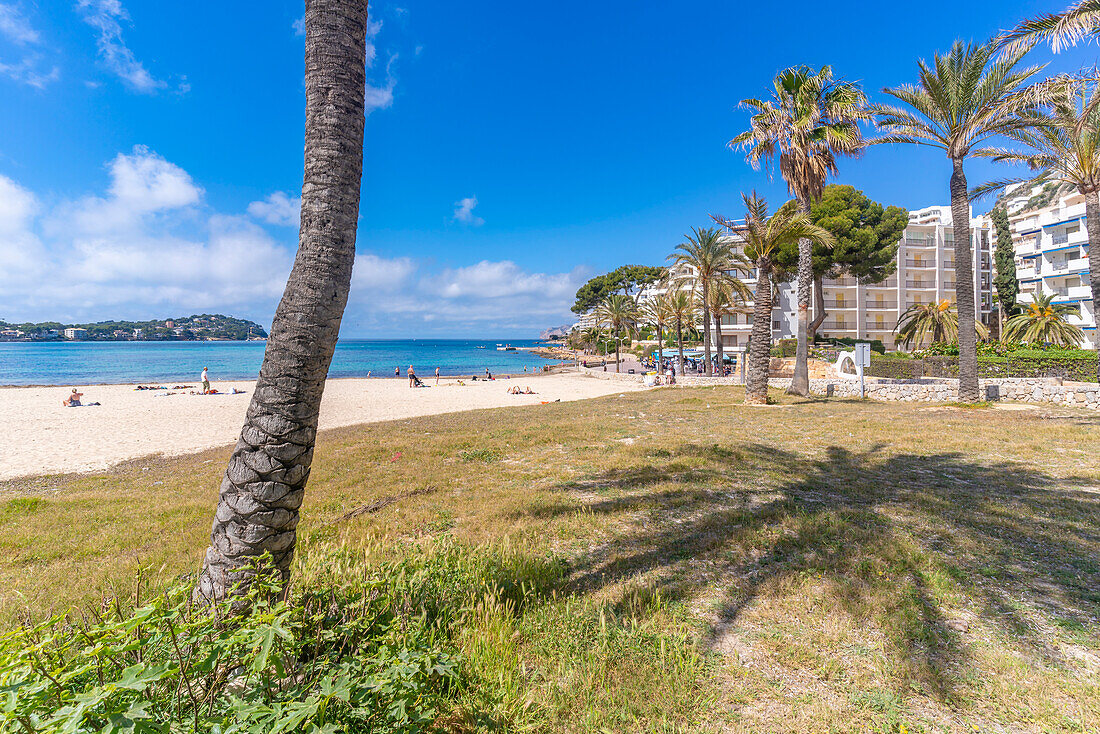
(1051, 248)
(925, 274)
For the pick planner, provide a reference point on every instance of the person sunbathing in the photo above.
(73, 400)
(529, 391)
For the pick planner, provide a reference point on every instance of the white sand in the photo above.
(43, 437)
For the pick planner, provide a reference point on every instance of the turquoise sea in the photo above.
(88, 363)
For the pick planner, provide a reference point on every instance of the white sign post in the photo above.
(863, 359)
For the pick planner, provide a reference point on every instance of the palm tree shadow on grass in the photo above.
(894, 534)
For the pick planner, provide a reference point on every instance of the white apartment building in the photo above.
(74, 333)
(925, 274)
(1051, 248)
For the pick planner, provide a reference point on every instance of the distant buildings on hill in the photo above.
(204, 327)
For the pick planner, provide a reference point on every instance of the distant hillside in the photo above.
(556, 332)
(197, 327)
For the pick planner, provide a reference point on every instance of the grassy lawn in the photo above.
(694, 564)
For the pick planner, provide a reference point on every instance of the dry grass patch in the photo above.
(837, 565)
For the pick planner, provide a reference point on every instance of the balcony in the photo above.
(878, 326)
(839, 304)
(920, 263)
(839, 283)
(888, 283)
(930, 285)
(880, 306)
(838, 326)
(1059, 239)
(920, 242)
(1026, 273)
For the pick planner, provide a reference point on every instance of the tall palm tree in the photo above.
(809, 122)
(658, 313)
(763, 234)
(1078, 22)
(706, 255)
(266, 478)
(727, 296)
(681, 308)
(1064, 146)
(620, 314)
(961, 101)
(1043, 321)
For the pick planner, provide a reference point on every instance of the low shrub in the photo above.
(355, 645)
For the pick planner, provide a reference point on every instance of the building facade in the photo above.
(925, 274)
(1051, 247)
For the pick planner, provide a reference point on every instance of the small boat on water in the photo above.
(505, 348)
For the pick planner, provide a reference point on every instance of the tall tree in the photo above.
(702, 258)
(1004, 260)
(620, 314)
(810, 121)
(628, 279)
(1078, 22)
(658, 313)
(682, 311)
(266, 478)
(963, 99)
(763, 235)
(1063, 145)
(867, 237)
(728, 296)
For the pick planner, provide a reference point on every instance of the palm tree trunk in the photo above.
(265, 481)
(706, 332)
(680, 344)
(819, 309)
(1092, 226)
(718, 352)
(964, 285)
(617, 345)
(800, 383)
(760, 339)
(660, 350)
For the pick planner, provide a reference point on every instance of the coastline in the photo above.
(45, 438)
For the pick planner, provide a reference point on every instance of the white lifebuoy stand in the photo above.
(862, 359)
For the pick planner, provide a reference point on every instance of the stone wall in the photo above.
(1049, 391)
(929, 390)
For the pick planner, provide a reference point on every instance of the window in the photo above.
(776, 325)
(748, 319)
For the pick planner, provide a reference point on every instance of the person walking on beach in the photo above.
(205, 381)
(396, 371)
(412, 377)
(437, 375)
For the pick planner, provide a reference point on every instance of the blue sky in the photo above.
(151, 153)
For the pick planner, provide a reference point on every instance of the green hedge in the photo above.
(1014, 364)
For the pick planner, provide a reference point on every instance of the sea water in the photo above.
(89, 363)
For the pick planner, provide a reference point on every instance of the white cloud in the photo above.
(299, 26)
(148, 245)
(142, 184)
(29, 72)
(278, 208)
(464, 212)
(381, 274)
(14, 26)
(106, 16)
(499, 279)
(144, 246)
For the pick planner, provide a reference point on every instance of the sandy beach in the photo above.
(43, 437)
